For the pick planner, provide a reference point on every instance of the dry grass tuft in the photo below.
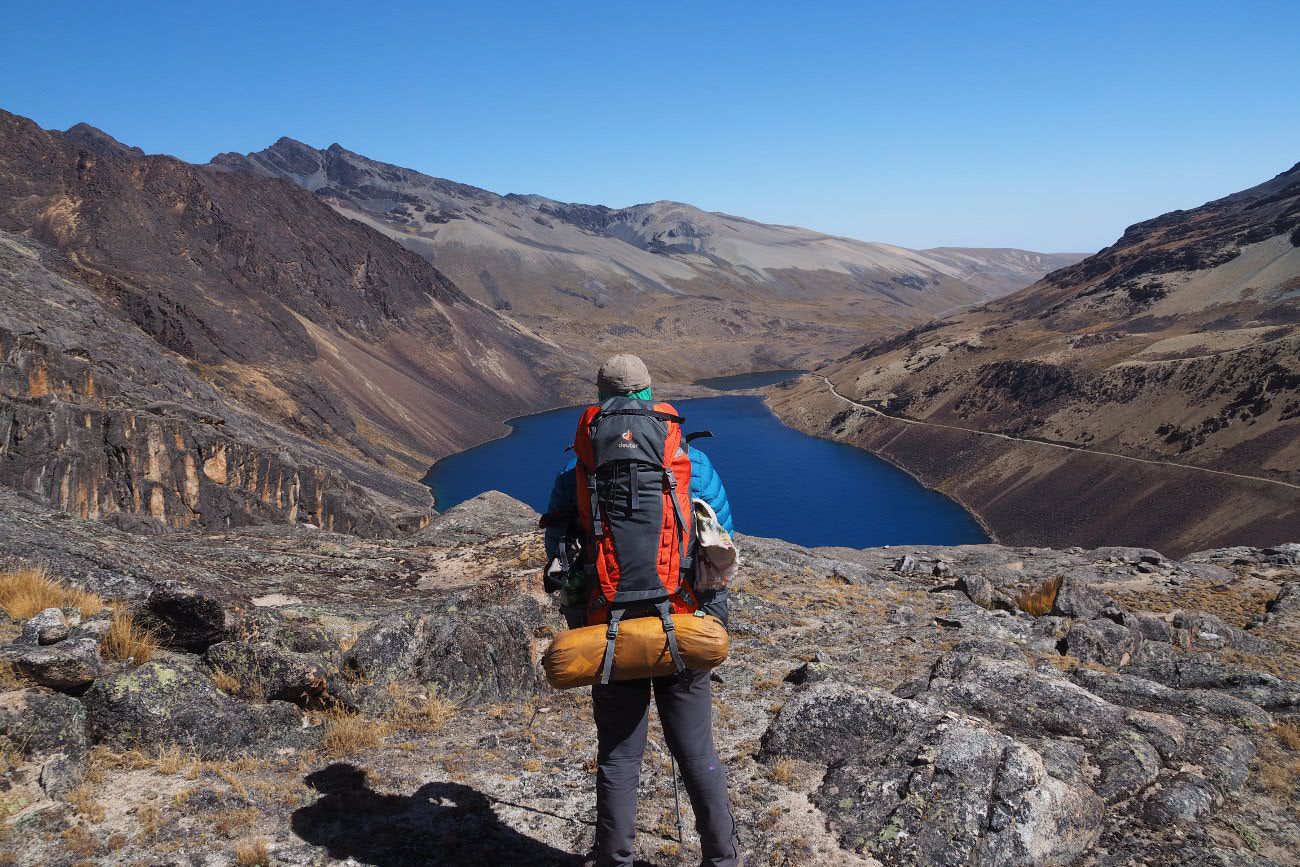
(429, 712)
(232, 684)
(80, 842)
(1276, 770)
(1039, 600)
(227, 822)
(128, 638)
(150, 819)
(82, 799)
(782, 772)
(30, 590)
(11, 755)
(172, 760)
(252, 853)
(347, 734)
(1288, 734)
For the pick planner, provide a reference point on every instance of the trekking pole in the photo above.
(677, 802)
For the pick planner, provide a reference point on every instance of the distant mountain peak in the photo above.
(97, 141)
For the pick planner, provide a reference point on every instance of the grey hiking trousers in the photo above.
(686, 711)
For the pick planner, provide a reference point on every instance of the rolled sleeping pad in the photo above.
(641, 650)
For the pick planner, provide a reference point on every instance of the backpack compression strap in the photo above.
(665, 609)
(611, 638)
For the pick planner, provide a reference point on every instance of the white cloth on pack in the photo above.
(716, 556)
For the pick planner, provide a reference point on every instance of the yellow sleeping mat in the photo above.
(640, 650)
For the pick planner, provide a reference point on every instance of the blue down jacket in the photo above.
(706, 485)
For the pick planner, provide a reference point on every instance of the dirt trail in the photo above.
(1047, 444)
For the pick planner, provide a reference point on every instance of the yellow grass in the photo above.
(252, 853)
(227, 822)
(225, 681)
(1288, 733)
(1039, 600)
(782, 772)
(428, 712)
(29, 590)
(347, 734)
(127, 638)
(82, 799)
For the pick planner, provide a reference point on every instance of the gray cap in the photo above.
(623, 374)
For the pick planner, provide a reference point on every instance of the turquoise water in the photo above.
(782, 483)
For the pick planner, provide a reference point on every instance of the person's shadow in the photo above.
(440, 824)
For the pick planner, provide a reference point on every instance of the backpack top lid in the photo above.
(626, 429)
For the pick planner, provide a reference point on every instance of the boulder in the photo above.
(60, 774)
(47, 627)
(390, 649)
(186, 619)
(1022, 699)
(69, 665)
(94, 627)
(1103, 642)
(1209, 632)
(1140, 693)
(268, 671)
(51, 728)
(157, 704)
(1183, 799)
(1190, 671)
(485, 517)
(41, 723)
(1128, 763)
(473, 654)
(1080, 600)
(832, 722)
(910, 785)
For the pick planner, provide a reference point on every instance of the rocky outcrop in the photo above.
(471, 652)
(158, 704)
(972, 705)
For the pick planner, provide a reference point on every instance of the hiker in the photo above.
(624, 516)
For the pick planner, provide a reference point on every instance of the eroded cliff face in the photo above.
(63, 440)
(98, 420)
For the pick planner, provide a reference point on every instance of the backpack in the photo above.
(634, 504)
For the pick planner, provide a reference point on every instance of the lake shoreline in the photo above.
(819, 494)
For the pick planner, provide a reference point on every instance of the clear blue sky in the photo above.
(1046, 125)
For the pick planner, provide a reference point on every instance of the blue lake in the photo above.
(782, 483)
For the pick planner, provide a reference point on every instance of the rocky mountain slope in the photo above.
(321, 698)
(1177, 345)
(210, 347)
(733, 294)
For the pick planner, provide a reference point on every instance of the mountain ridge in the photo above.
(1178, 343)
(595, 278)
(340, 349)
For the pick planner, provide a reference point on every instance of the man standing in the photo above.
(624, 493)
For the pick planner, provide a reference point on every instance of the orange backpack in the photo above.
(634, 503)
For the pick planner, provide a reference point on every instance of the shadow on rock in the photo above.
(440, 824)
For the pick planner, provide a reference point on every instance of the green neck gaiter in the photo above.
(643, 394)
